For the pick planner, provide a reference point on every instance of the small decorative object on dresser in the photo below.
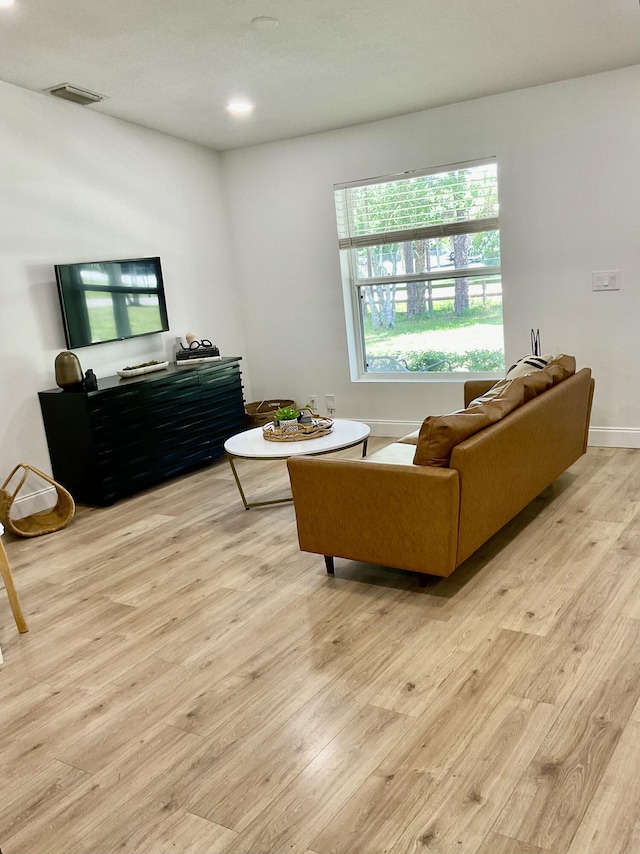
(144, 368)
(90, 381)
(68, 372)
(196, 351)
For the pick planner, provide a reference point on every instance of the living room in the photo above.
(248, 242)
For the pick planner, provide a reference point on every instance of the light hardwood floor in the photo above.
(192, 683)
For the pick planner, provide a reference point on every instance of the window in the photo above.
(420, 254)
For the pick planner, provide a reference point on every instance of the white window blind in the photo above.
(416, 206)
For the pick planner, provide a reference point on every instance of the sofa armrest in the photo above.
(396, 515)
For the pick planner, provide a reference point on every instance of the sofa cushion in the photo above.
(439, 434)
(447, 422)
(536, 381)
(527, 365)
(396, 453)
(562, 367)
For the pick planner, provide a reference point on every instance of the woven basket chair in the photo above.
(38, 523)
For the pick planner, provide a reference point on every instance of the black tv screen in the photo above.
(111, 300)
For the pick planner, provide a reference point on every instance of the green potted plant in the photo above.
(286, 418)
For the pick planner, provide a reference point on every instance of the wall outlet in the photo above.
(313, 402)
(331, 403)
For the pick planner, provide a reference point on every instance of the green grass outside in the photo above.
(470, 342)
(442, 318)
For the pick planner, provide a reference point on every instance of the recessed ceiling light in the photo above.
(6, 2)
(240, 107)
(263, 22)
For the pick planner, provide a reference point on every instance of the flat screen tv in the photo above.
(111, 300)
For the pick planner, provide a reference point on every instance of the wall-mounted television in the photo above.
(111, 300)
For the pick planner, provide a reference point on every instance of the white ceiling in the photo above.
(173, 65)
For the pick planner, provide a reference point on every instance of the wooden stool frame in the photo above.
(12, 593)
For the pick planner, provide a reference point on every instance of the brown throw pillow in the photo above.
(440, 434)
(561, 367)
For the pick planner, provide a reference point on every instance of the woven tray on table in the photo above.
(262, 411)
(318, 427)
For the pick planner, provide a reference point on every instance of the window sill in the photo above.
(424, 377)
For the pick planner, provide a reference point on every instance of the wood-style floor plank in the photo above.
(550, 800)
(612, 820)
(192, 682)
(470, 798)
(495, 843)
(308, 802)
(406, 786)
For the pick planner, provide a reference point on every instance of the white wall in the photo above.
(79, 186)
(569, 173)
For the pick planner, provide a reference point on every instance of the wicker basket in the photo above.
(261, 412)
(38, 523)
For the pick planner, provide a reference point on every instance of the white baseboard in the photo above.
(603, 437)
(615, 437)
(34, 502)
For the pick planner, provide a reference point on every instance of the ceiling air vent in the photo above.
(73, 93)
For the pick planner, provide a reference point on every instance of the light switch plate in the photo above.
(605, 280)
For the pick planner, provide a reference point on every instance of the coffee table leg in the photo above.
(238, 484)
(364, 447)
(247, 505)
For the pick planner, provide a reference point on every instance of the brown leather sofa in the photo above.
(387, 510)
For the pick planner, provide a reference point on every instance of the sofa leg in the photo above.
(328, 562)
(423, 579)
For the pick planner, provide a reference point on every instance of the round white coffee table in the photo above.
(251, 445)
